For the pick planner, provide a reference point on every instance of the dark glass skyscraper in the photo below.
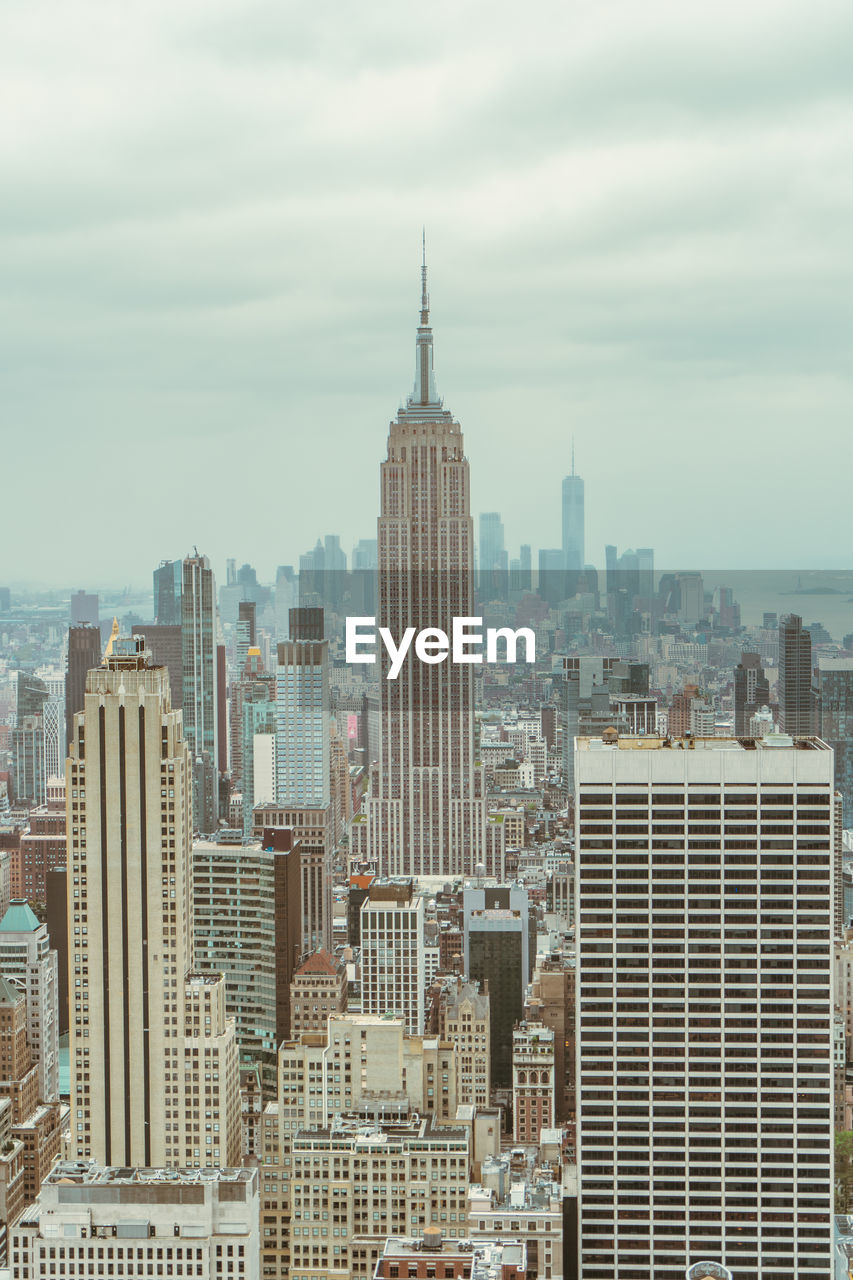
(795, 676)
(84, 653)
(752, 691)
(167, 593)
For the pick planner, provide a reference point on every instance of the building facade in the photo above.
(833, 697)
(200, 684)
(794, 689)
(392, 952)
(499, 939)
(318, 990)
(132, 1222)
(138, 1038)
(28, 960)
(462, 1017)
(426, 807)
(533, 1081)
(751, 692)
(704, 892)
(573, 522)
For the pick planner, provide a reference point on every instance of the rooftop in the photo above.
(486, 1255)
(408, 1128)
(772, 742)
(319, 962)
(83, 1172)
(9, 994)
(20, 918)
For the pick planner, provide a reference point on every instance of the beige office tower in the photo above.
(426, 810)
(134, 1043)
(705, 1019)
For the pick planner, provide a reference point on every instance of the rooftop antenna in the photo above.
(573, 455)
(424, 294)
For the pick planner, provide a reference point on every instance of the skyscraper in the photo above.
(165, 644)
(246, 640)
(303, 711)
(168, 580)
(573, 520)
(705, 1108)
(147, 1033)
(254, 764)
(492, 579)
(84, 653)
(26, 958)
(19, 1092)
(499, 933)
(427, 809)
(84, 609)
(28, 759)
(303, 767)
(198, 639)
(392, 952)
(238, 893)
(795, 676)
(833, 691)
(53, 722)
(751, 691)
(200, 699)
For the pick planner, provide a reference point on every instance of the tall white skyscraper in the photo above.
(427, 809)
(705, 1116)
(53, 714)
(303, 713)
(147, 1033)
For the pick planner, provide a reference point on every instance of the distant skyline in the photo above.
(637, 227)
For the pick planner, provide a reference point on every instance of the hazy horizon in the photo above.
(637, 233)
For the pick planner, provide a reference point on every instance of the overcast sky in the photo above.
(639, 234)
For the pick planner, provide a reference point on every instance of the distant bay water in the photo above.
(824, 596)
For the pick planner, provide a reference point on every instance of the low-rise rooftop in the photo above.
(771, 742)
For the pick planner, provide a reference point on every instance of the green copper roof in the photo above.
(8, 993)
(20, 918)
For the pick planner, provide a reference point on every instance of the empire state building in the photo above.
(426, 811)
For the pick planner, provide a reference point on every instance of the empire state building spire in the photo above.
(426, 811)
(424, 392)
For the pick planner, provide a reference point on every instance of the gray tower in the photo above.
(795, 676)
(573, 520)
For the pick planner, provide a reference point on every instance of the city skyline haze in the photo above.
(636, 230)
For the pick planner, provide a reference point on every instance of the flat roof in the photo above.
(772, 742)
(81, 1171)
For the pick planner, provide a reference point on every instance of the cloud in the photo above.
(638, 223)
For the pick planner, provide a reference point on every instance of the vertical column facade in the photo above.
(704, 891)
